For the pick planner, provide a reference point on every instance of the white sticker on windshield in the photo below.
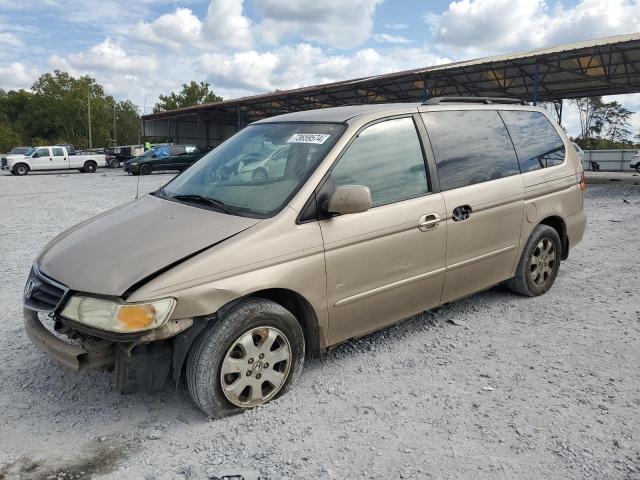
(318, 138)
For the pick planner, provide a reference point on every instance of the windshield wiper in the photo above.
(217, 204)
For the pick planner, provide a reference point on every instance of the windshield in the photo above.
(30, 152)
(259, 169)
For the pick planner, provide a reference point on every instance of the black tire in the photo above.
(146, 169)
(20, 169)
(206, 357)
(259, 174)
(638, 167)
(114, 163)
(89, 167)
(533, 277)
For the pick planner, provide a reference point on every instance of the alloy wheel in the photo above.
(543, 262)
(256, 367)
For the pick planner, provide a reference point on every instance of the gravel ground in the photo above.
(493, 386)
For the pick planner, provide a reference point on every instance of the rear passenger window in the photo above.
(58, 152)
(470, 147)
(387, 158)
(537, 143)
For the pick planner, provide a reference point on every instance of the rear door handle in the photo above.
(429, 222)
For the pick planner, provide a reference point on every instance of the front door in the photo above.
(42, 159)
(484, 198)
(385, 264)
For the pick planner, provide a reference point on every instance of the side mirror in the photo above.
(349, 199)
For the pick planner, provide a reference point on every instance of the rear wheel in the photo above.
(114, 163)
(146, 169)
(89, 167)
(539, 264)
(20, 169)
(246, 358)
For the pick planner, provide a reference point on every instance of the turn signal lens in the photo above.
(135, 317)
(583, 183)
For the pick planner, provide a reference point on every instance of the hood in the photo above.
(110, 253)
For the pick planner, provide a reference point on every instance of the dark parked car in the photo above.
(19, 150)
(164, 157)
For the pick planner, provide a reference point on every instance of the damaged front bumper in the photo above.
(143, 363)
(99, 354)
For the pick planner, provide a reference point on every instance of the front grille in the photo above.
(3, 163)
(41, 293)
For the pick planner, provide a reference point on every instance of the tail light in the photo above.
(583, 183)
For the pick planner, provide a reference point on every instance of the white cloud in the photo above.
(224, 27)
(396, 26)
(386, 38)
(15, 76)
(336, 24)
(303, 64)
(108, 56)
(172, 29)
(483, 27)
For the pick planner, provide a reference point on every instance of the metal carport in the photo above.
(605, 66)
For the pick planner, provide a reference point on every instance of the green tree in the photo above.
(8, 137)
(603, 125)
(191, 94)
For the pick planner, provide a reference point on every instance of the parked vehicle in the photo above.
(52, 158)
(595, 166)
(117, 155)
(164, 157)
(380, 212)
(19, 150)
(256, 165)
(635, 162)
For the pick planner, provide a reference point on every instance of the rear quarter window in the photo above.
(537, 143)
(470, 146)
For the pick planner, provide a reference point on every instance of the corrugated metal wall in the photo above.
(609, 160)
(187, 131)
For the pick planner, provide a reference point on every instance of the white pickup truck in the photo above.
(51, 158)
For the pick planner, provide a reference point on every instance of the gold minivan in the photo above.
(362, 216)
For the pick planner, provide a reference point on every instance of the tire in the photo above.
(259, 174)
(20, 169)
(89, 167)
(539, 264)
(114, 163)
(219, 349)
(638, 167)
(146, 169)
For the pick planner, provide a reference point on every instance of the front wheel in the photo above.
(246, 358)
(539, 264)
(638, 167)
(146, 169)
(20, 169)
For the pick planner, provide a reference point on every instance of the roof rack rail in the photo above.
(483, 100)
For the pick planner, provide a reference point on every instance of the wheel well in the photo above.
(559, 226)
(301, 309)
(91, 161)
(21, 163)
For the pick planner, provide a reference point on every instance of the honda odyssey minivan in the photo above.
(379, 212)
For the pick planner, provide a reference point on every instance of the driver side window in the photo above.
(387, 158)
(42, 152)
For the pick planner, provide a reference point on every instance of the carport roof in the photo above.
(604, 66)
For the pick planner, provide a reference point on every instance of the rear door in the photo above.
(484, 197)
(387, 263)
(60, 159)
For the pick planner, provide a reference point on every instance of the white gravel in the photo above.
(494, 386)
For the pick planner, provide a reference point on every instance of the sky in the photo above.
(139, 49)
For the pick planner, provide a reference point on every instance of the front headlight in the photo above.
(118, 317)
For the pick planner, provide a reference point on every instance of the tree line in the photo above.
(57, 107)
(56, 110)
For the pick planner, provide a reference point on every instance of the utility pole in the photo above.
(114, 123)
(89, 112)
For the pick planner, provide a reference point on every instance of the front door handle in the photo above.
(461, 213)
(429, 222)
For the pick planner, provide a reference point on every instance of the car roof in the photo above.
(340, 114)
(369, 111)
